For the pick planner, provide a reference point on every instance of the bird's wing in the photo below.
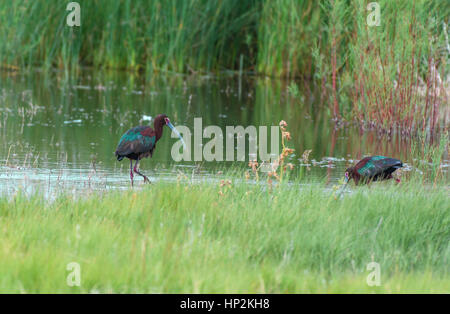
(376, 165)
(137, 140)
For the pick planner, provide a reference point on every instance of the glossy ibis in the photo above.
(374, 168)
(140, 142)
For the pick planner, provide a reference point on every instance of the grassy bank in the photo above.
(171, 237)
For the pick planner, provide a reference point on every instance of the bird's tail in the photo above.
(119, 157)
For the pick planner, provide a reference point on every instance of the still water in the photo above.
(59, 132)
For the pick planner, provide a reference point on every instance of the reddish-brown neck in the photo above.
(158, 126)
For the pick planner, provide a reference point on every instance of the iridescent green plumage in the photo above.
(374, 168)
(376, 164)
(136, 141)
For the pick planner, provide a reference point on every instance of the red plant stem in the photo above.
(427, 91)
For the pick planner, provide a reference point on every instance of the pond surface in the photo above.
(59, 132)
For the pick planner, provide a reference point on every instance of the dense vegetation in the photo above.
(391, 77)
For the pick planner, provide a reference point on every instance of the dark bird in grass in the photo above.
(374, 168)
(140, 142)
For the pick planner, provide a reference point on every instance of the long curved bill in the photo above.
(176, 132)
(346, 179)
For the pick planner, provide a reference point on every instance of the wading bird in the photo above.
(140, 142)
(374, 168)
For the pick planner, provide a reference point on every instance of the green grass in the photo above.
(275, 37)
(171, 237)
(153, 35)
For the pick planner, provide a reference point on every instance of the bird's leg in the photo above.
(131, 171)
(136, 170)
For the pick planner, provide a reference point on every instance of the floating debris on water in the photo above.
(72, 121)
